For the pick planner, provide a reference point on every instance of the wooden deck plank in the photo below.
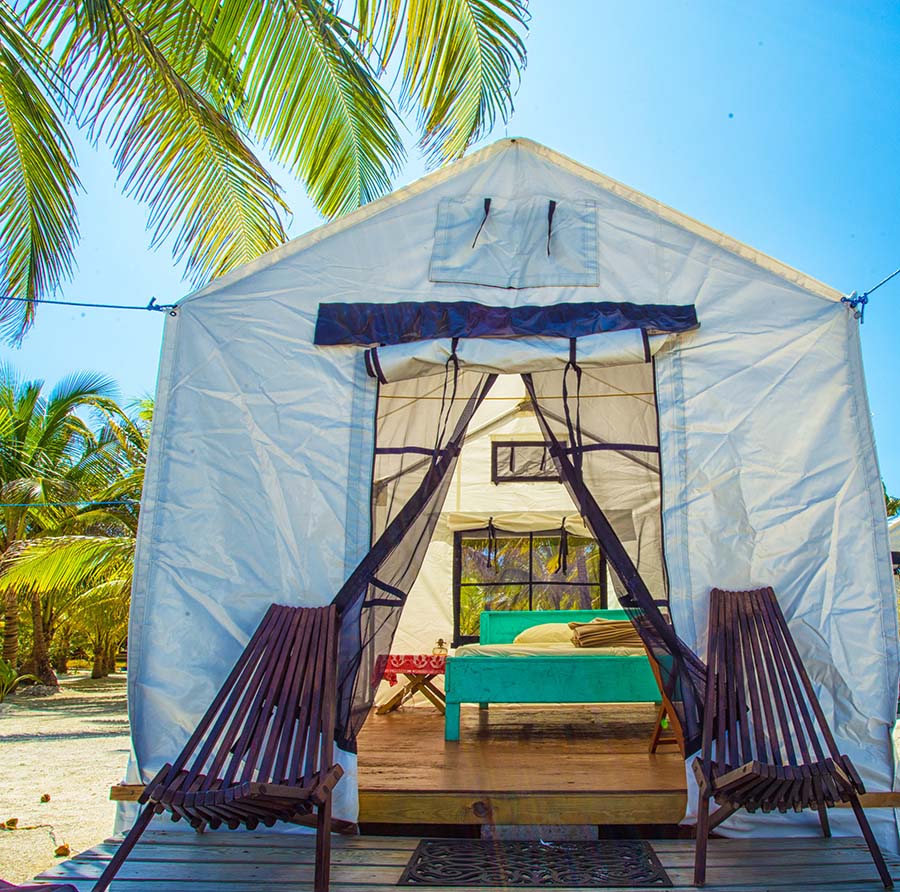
(258, 862)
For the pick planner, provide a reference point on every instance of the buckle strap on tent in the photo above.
(444, 420)
(487, 210)
(551, 210)
(492, 543)
(575, 436)
(563, 549)
(373, 366)
(645, 339)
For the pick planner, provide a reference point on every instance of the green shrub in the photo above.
(9, 679)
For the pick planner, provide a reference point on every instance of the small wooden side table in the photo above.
(419, 670)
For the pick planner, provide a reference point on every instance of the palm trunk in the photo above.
(39, 661)
(61, 651)
(11, 627)
(111, 659)
(101, 649)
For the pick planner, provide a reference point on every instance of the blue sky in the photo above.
(778, 123)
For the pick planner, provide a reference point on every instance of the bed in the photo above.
(497, 671)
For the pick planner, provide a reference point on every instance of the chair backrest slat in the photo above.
(715, 675)
(284, 722)
(759, 696)
(294, 721)
(226, 696)
(221, 737)
(740, 727)
(768, 694)
(313, 745)
(307, 695)
(738, 733)
(792, 730)
(276, 669)
(233, 747)
(738, 623)
(810, 701)
(329, 695)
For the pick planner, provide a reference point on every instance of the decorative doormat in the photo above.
(503, 863)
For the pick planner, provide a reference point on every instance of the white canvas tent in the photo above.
(260, 474)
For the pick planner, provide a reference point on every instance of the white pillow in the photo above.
(545, 633)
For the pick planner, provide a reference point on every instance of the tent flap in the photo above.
(370, 324)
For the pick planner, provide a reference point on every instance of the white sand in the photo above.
(73, 746)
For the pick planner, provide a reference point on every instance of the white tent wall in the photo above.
(428, 614)
(258, 479)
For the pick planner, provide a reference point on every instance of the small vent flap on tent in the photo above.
(515, 243)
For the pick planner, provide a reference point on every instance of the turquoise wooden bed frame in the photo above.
(579, 678)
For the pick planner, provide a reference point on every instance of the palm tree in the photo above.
(49, 455)
(181, 89)
(891, 504)
(83, 571)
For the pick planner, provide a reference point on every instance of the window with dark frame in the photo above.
(518, 461)
(521, 571)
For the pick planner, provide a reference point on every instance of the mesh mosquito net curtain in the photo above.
(600, 424)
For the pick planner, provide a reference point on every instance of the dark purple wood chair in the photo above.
(773, 747)
(264, 750)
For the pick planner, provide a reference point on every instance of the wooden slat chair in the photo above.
(264, 750)
(766, 743)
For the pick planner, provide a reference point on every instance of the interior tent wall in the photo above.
(473, 499)
(258, 481)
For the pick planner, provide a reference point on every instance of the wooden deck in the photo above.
(250, 862)
(582, 764)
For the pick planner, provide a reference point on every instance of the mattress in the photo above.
(545, 650)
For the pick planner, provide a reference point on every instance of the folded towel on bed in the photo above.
(605, 633)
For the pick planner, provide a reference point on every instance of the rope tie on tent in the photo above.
(492, 543)
(444, 420)
(860, 300)
(857, 300)
(575, 437)
(551, 210)
(487, 210)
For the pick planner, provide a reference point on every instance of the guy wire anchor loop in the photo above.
(857, 300)
(162, 308)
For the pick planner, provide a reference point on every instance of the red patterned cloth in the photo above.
(419, 664)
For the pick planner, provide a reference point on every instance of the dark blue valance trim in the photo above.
(399, 323)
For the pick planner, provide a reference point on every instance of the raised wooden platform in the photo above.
(250, 862)
(581, 764)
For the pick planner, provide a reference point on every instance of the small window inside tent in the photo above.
(515, 243)
(519, 461)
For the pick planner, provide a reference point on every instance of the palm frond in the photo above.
(307, 91)
(38, 225)
(174, 149)
(457, 62)
(69, 562)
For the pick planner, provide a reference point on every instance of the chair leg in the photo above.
(657, 728)
(702, 838)
(871, 842)
(125, 847)
(323, 846)
(823, 818)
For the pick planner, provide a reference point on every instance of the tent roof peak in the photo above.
(516, 144)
